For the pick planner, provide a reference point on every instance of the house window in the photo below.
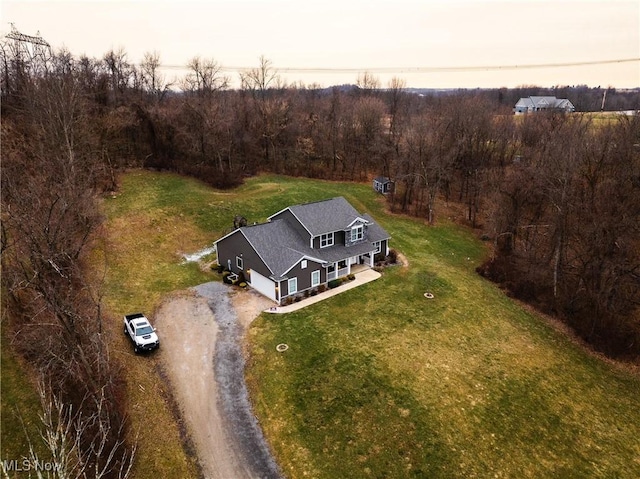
(326, 240)
(239, 262)
(303, 265)
(378, 246)
(293, 285)
(357, 233)
(315, 278)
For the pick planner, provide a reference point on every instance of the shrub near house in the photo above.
(302, 247)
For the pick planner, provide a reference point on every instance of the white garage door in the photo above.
(263, 285)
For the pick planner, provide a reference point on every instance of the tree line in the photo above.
(558, 194)
(566, 219)
(52, 172)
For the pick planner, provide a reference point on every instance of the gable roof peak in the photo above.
(323, 216)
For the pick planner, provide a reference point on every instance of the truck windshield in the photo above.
(144, 330)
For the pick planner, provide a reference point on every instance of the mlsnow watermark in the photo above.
(28, 465)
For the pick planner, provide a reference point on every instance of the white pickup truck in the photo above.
(140, 331)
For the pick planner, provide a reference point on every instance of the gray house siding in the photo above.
(347, 236)
(338, 239)
(343, 237)
(303, 276)
(236, 245)
(383, 247)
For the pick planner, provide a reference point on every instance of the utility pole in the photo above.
(22, 56)
(35, 51)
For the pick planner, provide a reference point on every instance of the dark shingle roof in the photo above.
(281, 246)
(375, 232)
(325, 216)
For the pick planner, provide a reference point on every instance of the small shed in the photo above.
(383, 185)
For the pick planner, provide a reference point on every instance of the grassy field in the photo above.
(378, 381)
(150, 222)
(382, 382)
(19, 407)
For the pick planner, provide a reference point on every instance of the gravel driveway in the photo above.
(201, 332)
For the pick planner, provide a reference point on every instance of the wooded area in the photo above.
(559, 194)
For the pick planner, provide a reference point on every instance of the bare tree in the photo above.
(79, 445)
(334, 119)
(397, 123)
(54, 309)
(120, 72)
(259, 80)
(567, 215)
(204, 77)
(273, 112)
(205, 132)
(153, 81)
(368, 82)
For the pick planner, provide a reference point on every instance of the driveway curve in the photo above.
(201, 354)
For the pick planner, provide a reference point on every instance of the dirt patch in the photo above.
(201, 356)
(248, 305)
(402, 259)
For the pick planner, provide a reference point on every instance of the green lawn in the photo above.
(382, 382)
(149, 223)
(378, 381)
(19, 408)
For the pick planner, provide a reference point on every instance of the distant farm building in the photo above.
(383, 185)
(540, 103)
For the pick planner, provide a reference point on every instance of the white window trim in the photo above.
(378, 246)
(303, 264)
(357, 231)
(328, 240)
(291, 290)
(313, 275)
(239, 262)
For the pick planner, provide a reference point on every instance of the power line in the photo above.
(424, 69)
(14, 34)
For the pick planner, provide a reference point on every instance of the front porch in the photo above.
(364, 274)
(348, 266)
(359, 268)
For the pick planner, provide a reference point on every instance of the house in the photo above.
(382, 184)
(539, 103)
(302, 247)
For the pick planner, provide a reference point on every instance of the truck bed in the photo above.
(129, 317)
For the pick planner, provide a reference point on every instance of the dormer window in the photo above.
(357, 233)
(326, 240)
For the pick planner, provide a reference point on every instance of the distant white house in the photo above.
(540, 103)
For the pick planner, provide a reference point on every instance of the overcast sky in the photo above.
(435, 44)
